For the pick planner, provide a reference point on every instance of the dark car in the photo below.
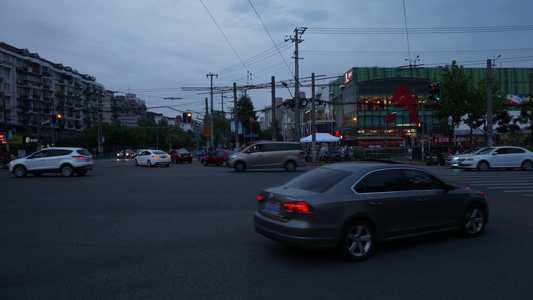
(180, 156)
(354, 206)
(219, 158)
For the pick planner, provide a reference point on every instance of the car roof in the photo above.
(365, 167)
(64, 148)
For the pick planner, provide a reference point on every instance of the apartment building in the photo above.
(41, 99)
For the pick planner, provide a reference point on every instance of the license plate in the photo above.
(272, 207)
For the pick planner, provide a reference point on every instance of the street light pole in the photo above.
(490, 141)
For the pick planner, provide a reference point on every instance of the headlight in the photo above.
(233, 156)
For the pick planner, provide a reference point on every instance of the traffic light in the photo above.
(59, 118)
(189, 117)
(2, 139)
(434, 91)
(185, 118)
(419, 125)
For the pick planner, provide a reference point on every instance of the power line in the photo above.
(271, 37)
(227, 40)
(430, 30)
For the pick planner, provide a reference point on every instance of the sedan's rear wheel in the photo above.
(224, 163)
(19, 171)
(149, 163)
(483, 166)
(473, 221)
(67, 170)
(357, 241)
(204, 163)
(527, 165)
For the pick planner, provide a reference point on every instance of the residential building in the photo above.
(41, 99)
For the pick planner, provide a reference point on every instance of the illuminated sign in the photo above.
(517, 99)
(348, 76)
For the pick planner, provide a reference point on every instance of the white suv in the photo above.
(64, 160)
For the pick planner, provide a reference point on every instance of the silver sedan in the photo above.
(354, 206)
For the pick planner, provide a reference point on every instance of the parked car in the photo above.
(286, 155)
(126, 153)
(64, 160)
(354, 206)
(453, 159)
(219, 158)
(148, 157)
(180, 156)
(507, 157)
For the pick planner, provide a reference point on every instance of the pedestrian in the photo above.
(410, 155)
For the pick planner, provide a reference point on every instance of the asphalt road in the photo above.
(186, 232)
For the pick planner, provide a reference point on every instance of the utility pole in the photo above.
(298, 32)
(490, 141)
(212, 121)
(273, 113)
(236, 116)
(313, 119)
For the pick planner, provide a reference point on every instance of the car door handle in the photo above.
(375, 203)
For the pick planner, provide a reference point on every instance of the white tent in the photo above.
(320, 138)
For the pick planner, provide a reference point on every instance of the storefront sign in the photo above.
(348, 76)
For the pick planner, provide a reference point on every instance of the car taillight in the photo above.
(169, 156)
(300, 207)
(78, 157)
(259, 198)
(303, 153)
(156, 156)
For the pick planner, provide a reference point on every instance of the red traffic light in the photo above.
(59, 116)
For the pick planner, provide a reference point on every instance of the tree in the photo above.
(457, 92)
(246, 112)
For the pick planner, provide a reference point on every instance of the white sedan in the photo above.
(152, 158)
(507, 157)
(452, 160)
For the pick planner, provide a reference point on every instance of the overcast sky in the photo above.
(154, 48)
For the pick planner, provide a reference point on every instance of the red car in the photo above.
(180, 156)
(219, 158)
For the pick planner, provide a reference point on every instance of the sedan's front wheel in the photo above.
(473, 221)
(527, 165)
(483, 166)
(357, 241)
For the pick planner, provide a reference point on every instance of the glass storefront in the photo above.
(394, 107)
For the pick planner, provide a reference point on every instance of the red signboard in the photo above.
(348, 76)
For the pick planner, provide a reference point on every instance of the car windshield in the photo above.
(318, 180)
(485, 151)
(471, 151)
(160, 152)
(183, 152)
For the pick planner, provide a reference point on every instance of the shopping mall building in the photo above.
(391, 106)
